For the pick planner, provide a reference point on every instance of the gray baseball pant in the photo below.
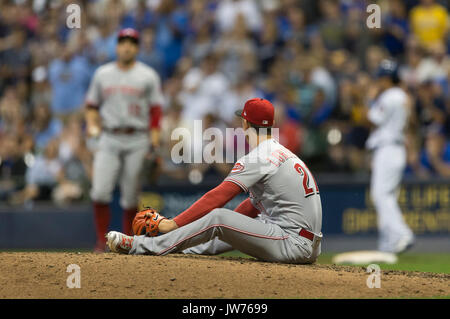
(119, 156)
(223, 230)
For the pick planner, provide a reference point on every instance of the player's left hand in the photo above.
(146, 222)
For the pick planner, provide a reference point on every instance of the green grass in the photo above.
(426, 262)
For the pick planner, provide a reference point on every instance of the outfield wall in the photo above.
(347, 210)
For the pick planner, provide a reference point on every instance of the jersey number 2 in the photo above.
(304, 173)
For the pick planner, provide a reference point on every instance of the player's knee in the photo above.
(221, 216)
(101, 196)
(216, 215)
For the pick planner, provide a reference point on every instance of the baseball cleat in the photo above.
(118, 242)
(404, 244)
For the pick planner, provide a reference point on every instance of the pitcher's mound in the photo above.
(48, 275)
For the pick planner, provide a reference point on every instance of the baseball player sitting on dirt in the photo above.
(280, 221)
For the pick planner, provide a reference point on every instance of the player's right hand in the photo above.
(93, 130)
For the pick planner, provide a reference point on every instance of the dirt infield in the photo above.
(43, 275)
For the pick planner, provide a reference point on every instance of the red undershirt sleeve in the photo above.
(155, 116)
(246, 208)
(215, 198)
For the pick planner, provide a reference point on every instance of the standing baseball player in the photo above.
(389, 113)
(280, 221)
(123, 108)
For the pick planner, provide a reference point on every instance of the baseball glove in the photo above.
(146, 222)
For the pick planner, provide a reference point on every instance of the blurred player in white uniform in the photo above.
(389, 113)
(123, 108)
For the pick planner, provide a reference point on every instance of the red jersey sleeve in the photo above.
(155, 116)
(215, 198)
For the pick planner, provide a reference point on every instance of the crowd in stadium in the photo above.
(315, 60)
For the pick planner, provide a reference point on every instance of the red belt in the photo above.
(306, 234)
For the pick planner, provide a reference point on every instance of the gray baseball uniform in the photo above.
(124, 98)
(284, 191)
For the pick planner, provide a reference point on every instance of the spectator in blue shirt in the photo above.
(396, 28)
(42, 176)
(139, 18)
(148, 54)
(435, 158)
(172, 25)
(104, 46)
(44, 127)
(69, 78)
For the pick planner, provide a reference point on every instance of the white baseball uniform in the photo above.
(389, 113)
(284, 191)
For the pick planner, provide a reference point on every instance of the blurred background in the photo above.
(314, 59)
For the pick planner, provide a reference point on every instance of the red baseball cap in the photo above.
(129, 33)
(258, 111)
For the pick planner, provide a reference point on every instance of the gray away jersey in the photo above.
(280, 186)
(124, 98)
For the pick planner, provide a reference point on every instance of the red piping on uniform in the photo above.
(238, 183)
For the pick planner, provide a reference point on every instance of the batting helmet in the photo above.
(128, 33)
(388, 68)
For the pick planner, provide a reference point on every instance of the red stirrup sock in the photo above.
(102, 217)
(127, 220)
